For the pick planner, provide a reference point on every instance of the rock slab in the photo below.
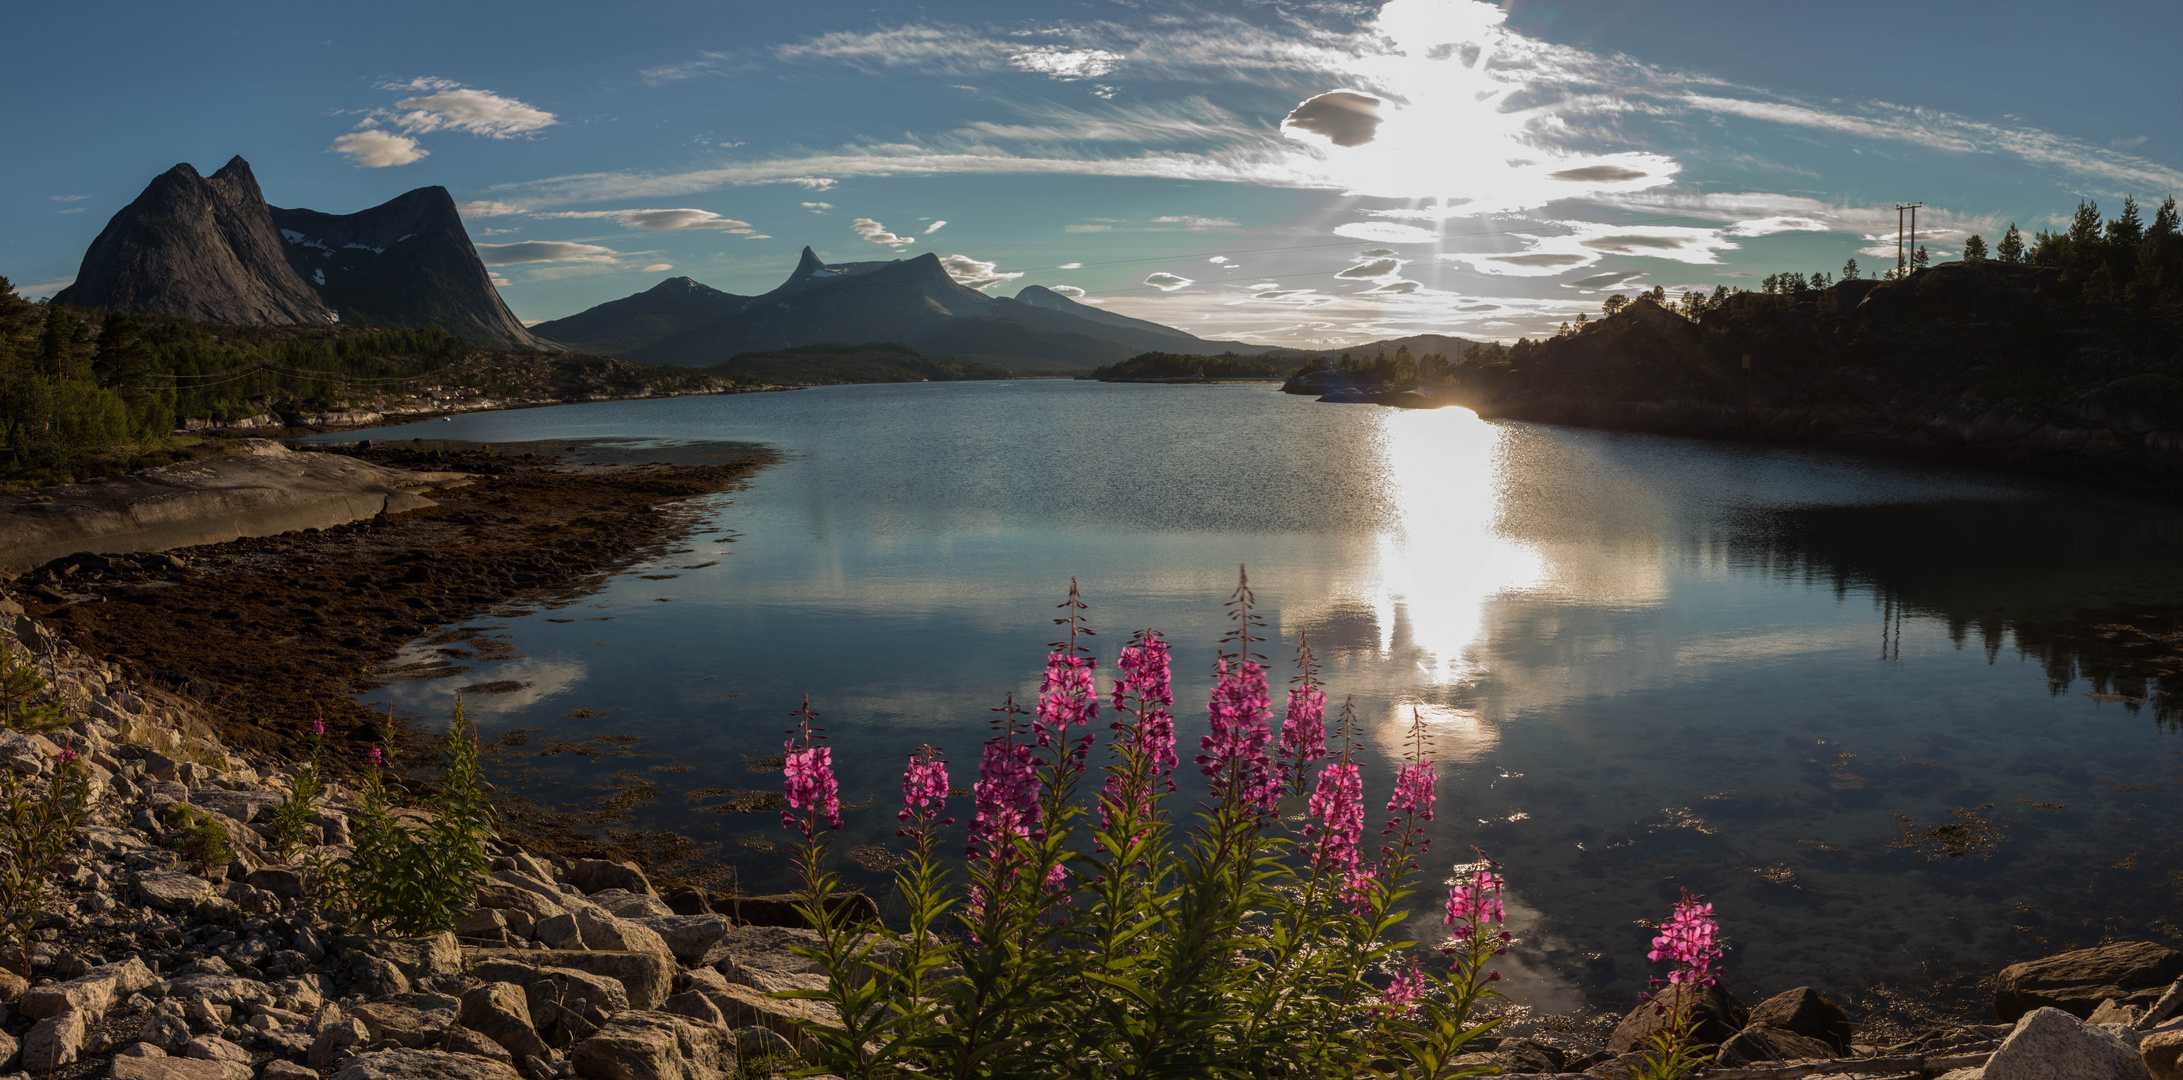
(2049, 1044)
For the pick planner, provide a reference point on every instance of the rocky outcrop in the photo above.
(264, 490)
(2129, 973)
(198, 247)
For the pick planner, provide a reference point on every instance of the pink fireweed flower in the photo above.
(1413, 793)
(1400, 997)
(1145, 679)
(1689, 940)
(375, 757)
(1474, 903)
(1303, 727)
(808, 780)
(318, 727)
(68, 752)
(1066, 698)
(924, 793)
(1234, 757)
(1006, 798)
(1335, 818)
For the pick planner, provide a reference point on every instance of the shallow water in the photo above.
(1647, 663)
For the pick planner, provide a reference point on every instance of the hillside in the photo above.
(622, 326)
(1167, 367)
(833, 363)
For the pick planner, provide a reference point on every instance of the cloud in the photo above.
(1065, 63)
(1066, 290)
(44, 288)
(1386, 233)
(375, 149)
(1196, 223)
(759, 236)
(1375, 268)
(1772, 225)
(2131, 143)
(659, 268)
(1603, 282)
(1166, 282)
(1399, 287)
(1598, 174)
(815, 183)
(975, 273)
(660, 220)
(451, 107)
(72, 210)
(1582, 242)
(1087, 228)
(1070, 266)
(529, 251)
(1339, 117)
(935, 227)
(818, 207)
(708, 65)
(485, 208)
(878, 234)
(501, 282)
(1218, 259)
(1374, 253)
(68, 198)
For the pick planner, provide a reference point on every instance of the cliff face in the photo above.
(199, 248)
(213, 250)
(405, 262)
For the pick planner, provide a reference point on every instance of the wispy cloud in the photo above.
(976, 273)
(879, 234)
(659, 268)
(660, 220)
(935, 227)
(449, 106)
(376, 149)
(1166, 282)
(485, 208)
(530, 251)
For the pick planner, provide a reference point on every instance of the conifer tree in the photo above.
(1974, 249)
(1849, 270)
(2011, 249)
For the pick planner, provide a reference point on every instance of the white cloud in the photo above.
(1061, 62)
(758, 236)
(2131, 143)
(72, 210)
(1218, 259)
(935, 227)
(814, 183)
(1386, 233)
(1197, 223)
(818, 207)
(500, 282)
(1374, 268)
(485, 208)
(1087, 228)
(1066, 290)
(878, 234)
(1070, 266)
(1603, 282)
(375, 149)
(528, 251)
(452, 107)
(68, 198)
(44, 288)
(659, 268)
(1166, 282)
(975, 273)
(660, 220)
(1585, 241)
(1336, 118)
(1772, 225)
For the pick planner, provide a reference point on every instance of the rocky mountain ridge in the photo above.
(214, 250)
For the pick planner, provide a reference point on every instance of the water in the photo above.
(1647, 664)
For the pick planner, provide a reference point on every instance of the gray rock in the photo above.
(2132, 973)
(418, 959)
(462, 1040)
(91, 993)
(423, 1065)
(694, 939)
(560, 932)
(165, 1029)
(54, 1042)
(652, 1046)
(10, 1049)
(598, 875)
(174, 1068)
(631, 905)
(565, 1004)
(2049, 1044)
(26, 754)
(501, 1011)
(506, 897)
(2161, 1051)
(790, 1018)
(335, 1038)
(1806, 1013)
(285, 1070)
(376, 977)
(140, 1049)
(403, 1023)
(607, 932)
(695, 1005)
(278, 881)
(480, 922)
(171, 891)
(1765, 1042)
(648, 979)
(214, 1048)
(2111, 1011)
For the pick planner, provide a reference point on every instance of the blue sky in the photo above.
(1303, 173)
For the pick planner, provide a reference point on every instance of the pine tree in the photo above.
(1974, 249)
(1920, 258)
(2011, 250)
(1849, 270)
(2126, 228)
(2084, 228)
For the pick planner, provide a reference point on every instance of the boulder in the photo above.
(694, 939)
(1765, 1042)
(500, 1011)
(607, 932)
(559, 932)
(53, 1042)
(481, 922)
(695, 1005)
(2161, 1052)
(277, 1069)
(2114, 1012)
(406, 1064)
(788, 1018)
(419, 959)
(1804, 1012)
(212, 989)
(1720, 1016)
(565, 1004)
(504, 897)
(334, 1039)
(688, 901)
(631, 905)
(165, 1029)
(91, 993)
(599, 875)
(278, 881)
(10, 1047)
(653, 1046)
(780, 909)
(12, 986)
(462, 1040)
(2049, 1044)
(175, 1068)
(412, 1020)
(2132, 973)
(214, 1048)
(647, 977)
(171, 891)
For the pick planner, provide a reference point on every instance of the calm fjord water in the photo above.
(1647, 663)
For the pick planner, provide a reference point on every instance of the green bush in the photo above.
(36, 821)
(410, 877)
(200, 838)
(24, 705)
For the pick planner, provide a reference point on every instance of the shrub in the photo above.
(200, 838)
(37, 819)
(408, 877)
(1148, 944)
(305, 786)
(24, 703)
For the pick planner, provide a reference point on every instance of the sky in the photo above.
(1314, 174)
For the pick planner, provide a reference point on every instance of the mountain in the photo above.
(831, 364)
(214, 250)
(632, 322)
(908, 301)
(199, 248)
(1419, 344)
(406, 262)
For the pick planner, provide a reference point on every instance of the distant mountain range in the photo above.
(212, 249)
(911, 301)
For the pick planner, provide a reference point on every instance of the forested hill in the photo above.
(2064, 353)
(1161, 366)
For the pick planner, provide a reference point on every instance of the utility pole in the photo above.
(1902, 261)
